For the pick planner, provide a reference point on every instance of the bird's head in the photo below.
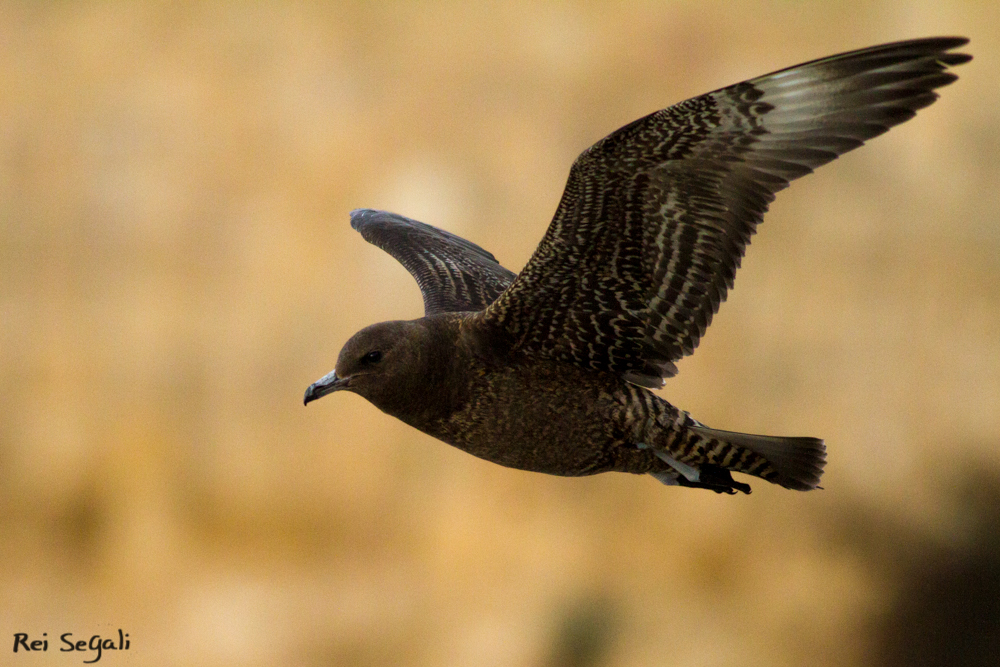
(382, 363)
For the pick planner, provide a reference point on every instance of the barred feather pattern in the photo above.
(662, 426)
(454, 275)
(655, 218)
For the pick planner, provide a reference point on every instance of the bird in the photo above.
(553, 369)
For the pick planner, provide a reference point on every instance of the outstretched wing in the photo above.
(655, 217)
(454, 275)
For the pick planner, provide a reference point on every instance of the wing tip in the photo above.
(361, 217)
(365, 219)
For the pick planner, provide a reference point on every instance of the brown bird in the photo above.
(551, 369)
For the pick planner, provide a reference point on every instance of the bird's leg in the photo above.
(710, 476)
(667, 478)
(690, 474)
(717, 479)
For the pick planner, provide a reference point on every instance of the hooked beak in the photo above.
(325, 385)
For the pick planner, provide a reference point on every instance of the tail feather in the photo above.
(797, 462)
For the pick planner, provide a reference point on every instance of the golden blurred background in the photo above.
(176, 266)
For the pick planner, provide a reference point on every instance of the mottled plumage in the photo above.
(547, 370)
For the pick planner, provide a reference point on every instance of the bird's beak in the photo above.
(325, 385)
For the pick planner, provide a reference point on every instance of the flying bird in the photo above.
(550, 370)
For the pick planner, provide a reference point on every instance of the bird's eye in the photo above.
(372, 357)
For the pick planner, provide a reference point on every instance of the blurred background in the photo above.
(176, 266)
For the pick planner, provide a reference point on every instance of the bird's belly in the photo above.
(539, 421)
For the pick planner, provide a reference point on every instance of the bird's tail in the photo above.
(703, 457)
(794, 463)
